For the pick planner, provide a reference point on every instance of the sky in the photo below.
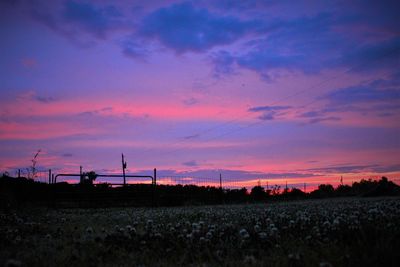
(297, 91)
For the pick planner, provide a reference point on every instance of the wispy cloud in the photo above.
(349, 168)
(270, 112)
(191, 163)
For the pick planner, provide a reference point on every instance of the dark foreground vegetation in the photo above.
(15, 192)
(324, 232)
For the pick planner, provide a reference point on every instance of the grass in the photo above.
(333, 232)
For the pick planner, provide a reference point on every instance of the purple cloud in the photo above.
(191, 163)
(269, 112)
(184, 28)
(93, 19)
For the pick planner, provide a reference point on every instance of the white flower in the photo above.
(263, 236)
(89, 230)
(249, 260)
(195, 226)
(209, 235)
(244, 234)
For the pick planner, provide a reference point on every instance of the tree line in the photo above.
(20, 191)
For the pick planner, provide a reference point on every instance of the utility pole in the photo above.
(49, 176)
(304, 187)
(154, 196)
(123, 168)
(220, 189)
(155, 177)
(19, 173)
(81, 174)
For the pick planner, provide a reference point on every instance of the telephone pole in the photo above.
(123, 168)
(81, 174)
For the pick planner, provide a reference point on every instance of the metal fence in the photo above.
(278, 184)
(221, 181)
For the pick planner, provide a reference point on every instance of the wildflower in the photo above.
(12, 263)
(244, 234)
(249, 260)
(326, 224)
(292, 256)
(274, 231)
(157, 235)
(89, 230)
(18, 239)
(336, 221)
(209, 235)
(195, 226)
(263, 236)
(201, 224)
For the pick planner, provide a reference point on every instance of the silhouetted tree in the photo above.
(344, 190)
(258, 193)
(384, 187)
(296, 193)
(32, 171)
(324, 190)
(275, 190)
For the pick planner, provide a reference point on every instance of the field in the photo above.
(332, 232)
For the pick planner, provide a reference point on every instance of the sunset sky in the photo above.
(286, 90)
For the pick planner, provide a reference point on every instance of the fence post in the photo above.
(80, 173)
(123, 168)
(220, 188)
(154, 187)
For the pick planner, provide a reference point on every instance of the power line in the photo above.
(198, 134)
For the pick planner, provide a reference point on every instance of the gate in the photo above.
(100, 194)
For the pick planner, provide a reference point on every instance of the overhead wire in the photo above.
(201, 133)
